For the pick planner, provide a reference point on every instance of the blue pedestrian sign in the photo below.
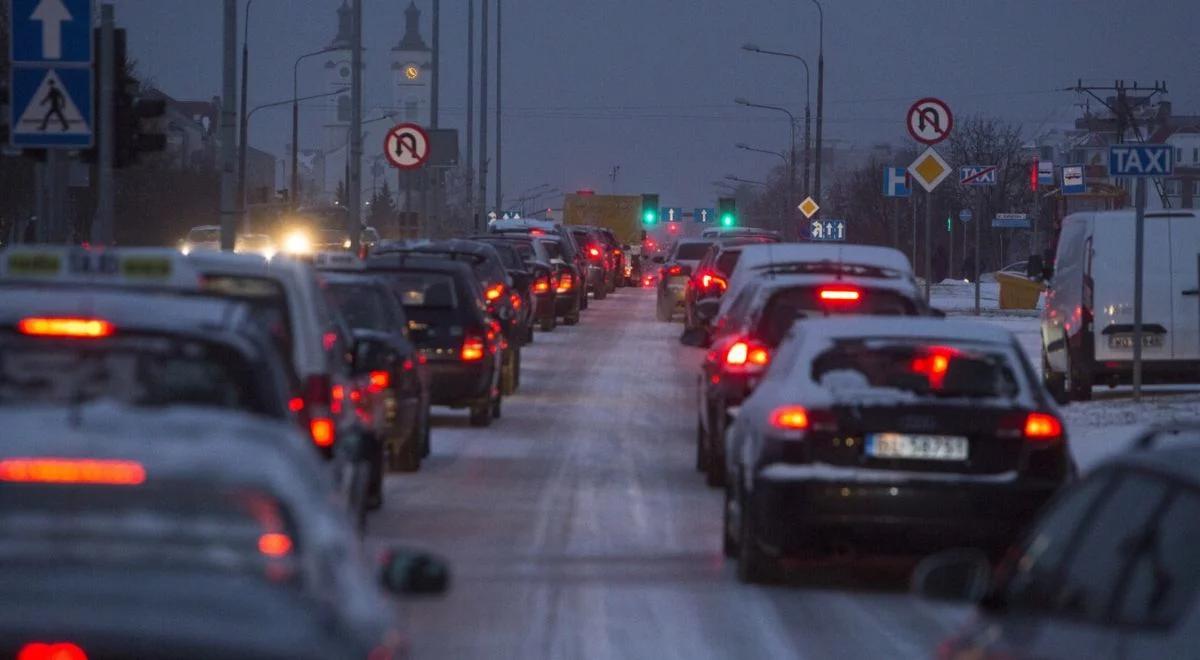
(1141, 160)
(51, 76)
(977, 175)
(704, 215)
(895, 182)
(671, 214)
(827, 229)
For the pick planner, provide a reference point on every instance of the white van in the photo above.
(1087, 323)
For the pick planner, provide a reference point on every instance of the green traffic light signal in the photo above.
(649, 209)
(727, 220)
(649, 217)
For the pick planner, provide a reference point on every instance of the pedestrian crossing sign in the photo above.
(51, 107)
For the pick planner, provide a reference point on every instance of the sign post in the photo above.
(929, 170)
(1141, 162)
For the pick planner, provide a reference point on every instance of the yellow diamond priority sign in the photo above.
(809, 207)
(929, 169)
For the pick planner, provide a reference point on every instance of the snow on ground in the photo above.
(1098, 428)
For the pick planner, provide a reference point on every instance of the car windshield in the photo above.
(150, 371)
(927, 369)
(786, 306)
(205, 235)
(267, 301)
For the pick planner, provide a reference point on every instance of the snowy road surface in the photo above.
(578, 528)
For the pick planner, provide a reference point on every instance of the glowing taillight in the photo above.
(934, 365)
(295, 404)
(381, 380)
(747, 354)
(78, 328)
(674, 270)
(322, 430)
(594, 253)
(790, 418)
(473, 349)
(565, 283)
(515, 300)
(274, 544)
(542, 285)
(51, 651)
(1041, 426)
(840, 295)
(494, 292)
(709, 281)
(72, 471)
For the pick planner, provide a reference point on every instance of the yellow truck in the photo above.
(620, 214)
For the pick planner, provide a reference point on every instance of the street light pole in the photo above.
(229, 126)
(816, 191)
(483, 113)
(242, 146)
(294, 192)
(807, 106)
(354, 175)
(499, 125)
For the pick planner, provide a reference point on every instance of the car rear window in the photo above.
(150, 371)
(727, 261)
(784, 307)
(204, 236)
(691, 251)
(363, 306)
(267, 301)
(172, 525)
(553, 249)
(927, 369)
(425, 291)
(509, 256)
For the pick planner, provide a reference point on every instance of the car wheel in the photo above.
(1079, 387)
(601, 290)
(373, 500)
(573, 319)
(547, 325)
(517, 371)
(701, 454)
(426, 433)
(410, 451)
(662, 313)
(583, 300)
(508, 384)
(729, 533)
(481, 414)
(1055, 383)
(753, 565)
(496, 408)
(714, 474)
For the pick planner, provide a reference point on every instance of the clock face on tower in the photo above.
(412, 71)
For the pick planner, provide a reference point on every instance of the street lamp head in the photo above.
(741, 145)
(753, 48)
(741, 100)
(730, 177)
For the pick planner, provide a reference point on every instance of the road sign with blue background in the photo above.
(977, 175)
(966, 215)
(1072, 180)
(827, 229)
(895, 182)
(1141, 160)
(671, 214)
(1010, 221)
(704, 215)
(51, 78)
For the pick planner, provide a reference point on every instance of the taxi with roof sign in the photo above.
(184, 533)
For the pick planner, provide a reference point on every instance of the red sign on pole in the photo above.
(406, 146)
(930, 121)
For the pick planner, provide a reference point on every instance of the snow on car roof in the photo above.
(754, 256)
(852, 327)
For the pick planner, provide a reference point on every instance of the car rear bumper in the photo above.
(566, 304)
(817, 508)
(456, 383)
(672, 293)
(546, 306)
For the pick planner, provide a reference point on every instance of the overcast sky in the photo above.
(649, 84)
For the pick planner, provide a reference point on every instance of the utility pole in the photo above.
(928, 240)
(470, 170)
(483, 113)
(354, 175)
(436, 62)
(244, 122)
(499, 97)
(816, 192)
(102, 224)
(229, 127)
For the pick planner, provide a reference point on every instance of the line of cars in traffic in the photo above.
(194, 441)
(844, 417)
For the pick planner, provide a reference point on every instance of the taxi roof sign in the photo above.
(132, 267)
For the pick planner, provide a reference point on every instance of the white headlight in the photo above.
(297, 242)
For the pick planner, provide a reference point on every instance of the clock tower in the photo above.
(411, 71)
(336, 129)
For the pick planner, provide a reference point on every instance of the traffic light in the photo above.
(650, 209)
(135, 128)
(727, 211)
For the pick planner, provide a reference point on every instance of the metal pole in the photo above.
(229, 127)
(950, 241)
(1139, 231)
(912, 201)
(928, 243)
(354, 175)
(470, 170)
(816, 192)
(978, 233)
(791, 169)
(1037, 217)
(807, 149)
(241, 181)
(483, 113)
(499, 88)
(435, 64)
(102, 224)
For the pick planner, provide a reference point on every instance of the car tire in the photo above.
(410, 452)
(600, 291)
(495, 408)
(373, 498)
(729, 535)
(481, 415)
(1055, 383)
(426, 433)
(508, 383)
(753, 565)
(583, 300)
(548, 325)
(714, 474)
(661, 313)
(572, 319)
(1078, 388)
(701, 454)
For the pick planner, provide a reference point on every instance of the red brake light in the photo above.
(1041, 426)
(840, 294)
(80, 328)
(54, 651)
(542, 285)
(494, 292)
(295, 404)
(515, 300)
(594, 252)
(473, 349)
(709, 281)
(675, 270)
(747, 355)
(537, 232)
(381, 380)
(790, 418)
(72, 471)
(322, 430)
(274, 544)
(934, 365)
(565, 283)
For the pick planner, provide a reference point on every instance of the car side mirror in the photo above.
(706, 309)
(412, 573)
(961, 575)
(658, 259)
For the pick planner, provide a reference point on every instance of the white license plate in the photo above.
(917, 447)
(1126, 341)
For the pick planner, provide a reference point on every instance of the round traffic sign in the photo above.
(965, 215)
(930, 121)
(406, 146)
